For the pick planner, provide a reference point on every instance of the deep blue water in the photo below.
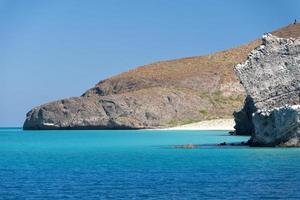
(142, 165)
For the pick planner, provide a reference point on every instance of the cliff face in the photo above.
(243, 117)
(271, 77)
(271, 74)
(161, 94)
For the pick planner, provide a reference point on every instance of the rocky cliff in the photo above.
(271, 77)
(161, 94)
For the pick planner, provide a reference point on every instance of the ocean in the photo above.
(142, 164)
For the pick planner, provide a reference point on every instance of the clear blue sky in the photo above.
(53, 49)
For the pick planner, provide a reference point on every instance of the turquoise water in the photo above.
(142, 165)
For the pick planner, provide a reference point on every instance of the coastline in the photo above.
(214, 124)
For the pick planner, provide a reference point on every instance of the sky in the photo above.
(53, 49)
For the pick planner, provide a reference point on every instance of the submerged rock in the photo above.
(271, 78)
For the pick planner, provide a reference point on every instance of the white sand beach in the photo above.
(215, 124)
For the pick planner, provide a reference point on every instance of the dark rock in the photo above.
(223, 144)
(243, 118)
(231, 132)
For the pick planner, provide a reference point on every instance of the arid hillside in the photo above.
(208, 73)
(161, 94)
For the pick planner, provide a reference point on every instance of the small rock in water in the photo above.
(223, 144)
(232, 133)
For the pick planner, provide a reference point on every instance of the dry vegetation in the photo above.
(211, 77)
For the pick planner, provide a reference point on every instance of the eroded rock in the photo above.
(271, 74)
(271, 78)
(277, 127)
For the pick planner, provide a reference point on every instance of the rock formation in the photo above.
(277, 127)
(132, 110)
(271, 77)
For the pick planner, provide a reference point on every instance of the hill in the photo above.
(162, 94)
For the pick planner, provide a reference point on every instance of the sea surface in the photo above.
(142, 165)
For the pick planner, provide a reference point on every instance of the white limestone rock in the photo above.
(271, 78)
(277, 127)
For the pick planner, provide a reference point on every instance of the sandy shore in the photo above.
(215, 124)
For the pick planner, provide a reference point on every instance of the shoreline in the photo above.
(212, 125)
(226, 124)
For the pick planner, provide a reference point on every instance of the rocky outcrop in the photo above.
(271, 74)
(277, 127)
(149, 108)
(271, 77)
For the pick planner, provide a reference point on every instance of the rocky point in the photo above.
(271, 78)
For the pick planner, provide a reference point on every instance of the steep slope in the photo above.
(271, 77)
(243, 118)
(161, 94)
